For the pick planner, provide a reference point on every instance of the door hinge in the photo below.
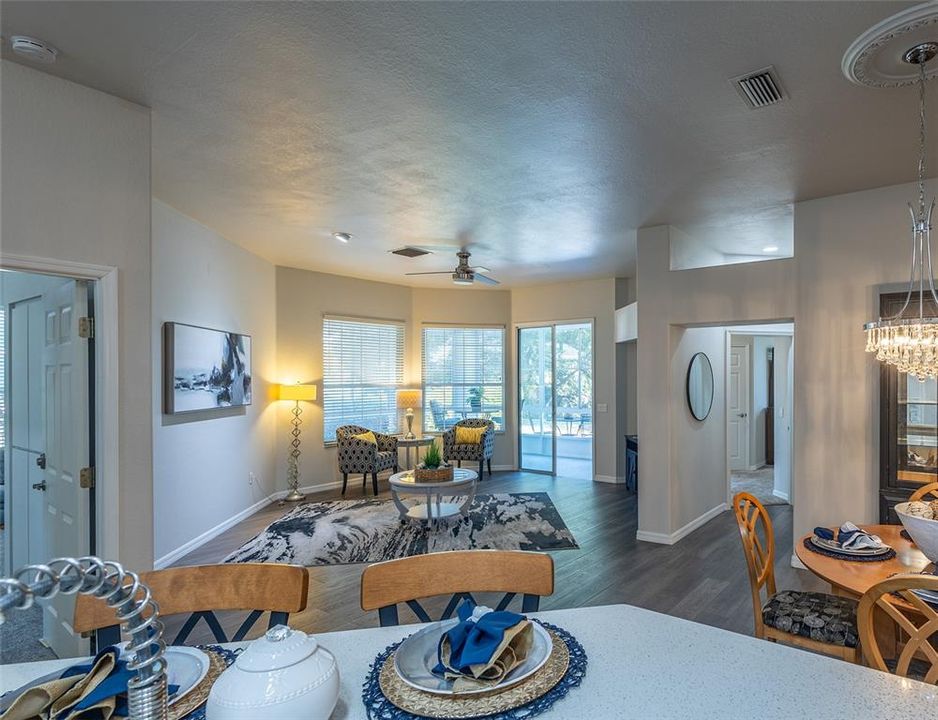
(86, 328)
(86, 478)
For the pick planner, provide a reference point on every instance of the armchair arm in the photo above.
(449, 439)
(354, 455)
(488, 442)
(386, 443)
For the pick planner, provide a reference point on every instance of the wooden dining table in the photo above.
(643, 665)
(851, 578)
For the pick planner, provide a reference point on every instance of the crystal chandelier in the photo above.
(911, 343)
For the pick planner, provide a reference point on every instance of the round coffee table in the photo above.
(433, 508)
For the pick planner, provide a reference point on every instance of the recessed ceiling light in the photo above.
(342, 237)
(33, 49)
(770, 249)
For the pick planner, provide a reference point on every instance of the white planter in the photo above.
(924, 532)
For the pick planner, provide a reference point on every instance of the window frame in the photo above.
(505, 380)
(400, 325)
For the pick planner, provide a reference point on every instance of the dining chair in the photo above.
(782, 616)
(916, 619)
(201, 590)
(458, 573)
(926, 492)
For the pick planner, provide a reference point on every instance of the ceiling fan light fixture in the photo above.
(461, 279)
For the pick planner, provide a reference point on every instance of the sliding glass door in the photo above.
(536, 398)
(555, 399)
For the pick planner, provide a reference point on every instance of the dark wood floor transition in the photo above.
(701, 578)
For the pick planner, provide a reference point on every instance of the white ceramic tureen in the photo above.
(285, 675)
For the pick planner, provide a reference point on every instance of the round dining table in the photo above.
(852, 578)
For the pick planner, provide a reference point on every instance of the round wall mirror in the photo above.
(700, 386)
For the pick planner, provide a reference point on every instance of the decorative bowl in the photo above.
(924, 532)
(284, 675)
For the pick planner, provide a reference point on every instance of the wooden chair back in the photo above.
(459, 574)
(758, 537)
(203, 589)
(926, 493)
(918, 626)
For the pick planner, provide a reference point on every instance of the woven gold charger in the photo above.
(199, 694)
(480, 704)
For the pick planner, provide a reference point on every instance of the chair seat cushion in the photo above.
(466, 451)
(385, 460)
(826, 618)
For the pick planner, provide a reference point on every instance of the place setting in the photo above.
(849, 542)
(483, 663)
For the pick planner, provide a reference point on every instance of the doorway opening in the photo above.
(759, 372)
(555, 398)
(47, 411)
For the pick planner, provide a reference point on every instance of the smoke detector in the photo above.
(759, 89)
(33, 49)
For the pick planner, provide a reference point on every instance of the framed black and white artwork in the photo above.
(204, 369)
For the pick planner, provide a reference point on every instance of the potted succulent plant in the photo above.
(476, 395)
(433, 469)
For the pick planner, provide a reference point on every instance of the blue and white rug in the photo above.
(370, 530)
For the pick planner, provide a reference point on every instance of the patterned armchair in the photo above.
(358, 456)
(481, 453)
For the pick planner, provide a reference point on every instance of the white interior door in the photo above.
(737, 410)
(65, 420)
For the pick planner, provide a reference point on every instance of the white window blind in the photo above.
(363, 364)
(463, 375)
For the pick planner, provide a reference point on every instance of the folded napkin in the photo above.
(484, 647)
(851, 537)
(96, 690)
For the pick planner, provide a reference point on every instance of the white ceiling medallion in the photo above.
(875, 59)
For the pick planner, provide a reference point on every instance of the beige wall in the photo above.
(581, 300)
(848, 249)
(76, 187)
(203, 462)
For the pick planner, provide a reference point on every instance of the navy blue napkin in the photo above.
(115, 684)
(475, 639)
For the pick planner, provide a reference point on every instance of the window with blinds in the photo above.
(463, 375)
(363, 365)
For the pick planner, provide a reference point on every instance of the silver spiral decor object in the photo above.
(136, 610)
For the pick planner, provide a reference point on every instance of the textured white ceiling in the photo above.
(545, 133)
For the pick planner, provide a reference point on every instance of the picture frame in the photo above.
(205, 369)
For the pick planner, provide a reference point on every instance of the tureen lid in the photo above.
(280, 647)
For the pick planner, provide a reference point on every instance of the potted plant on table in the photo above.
(433, 469)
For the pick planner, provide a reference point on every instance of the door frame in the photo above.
(552, 324)
(106, 429)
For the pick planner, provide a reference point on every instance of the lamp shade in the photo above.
(408, 398)
(296, 392)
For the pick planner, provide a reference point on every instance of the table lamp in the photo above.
(295, 392)
(408, 399)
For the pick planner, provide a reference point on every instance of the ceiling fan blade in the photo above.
(435, 272)
(486, 279)
(479, 268)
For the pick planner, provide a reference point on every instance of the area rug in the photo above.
(370, 530)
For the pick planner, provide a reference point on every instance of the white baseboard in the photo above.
(503, 468)
(782, 496)
(197, 542)
(796, 562)
(612, 479)
(665, 539)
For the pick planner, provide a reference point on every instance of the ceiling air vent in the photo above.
(759, 89)
(410, 252)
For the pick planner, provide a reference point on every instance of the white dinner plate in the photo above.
(185, 667)
(834, 546)
(416, 657)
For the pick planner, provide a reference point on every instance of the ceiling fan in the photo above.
(464, 273)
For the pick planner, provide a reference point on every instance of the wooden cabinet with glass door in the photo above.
(908, 426)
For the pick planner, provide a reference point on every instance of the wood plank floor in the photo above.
(701, 578)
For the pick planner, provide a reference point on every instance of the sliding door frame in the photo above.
(553, 325)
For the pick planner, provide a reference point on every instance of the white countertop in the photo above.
(655, 667)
